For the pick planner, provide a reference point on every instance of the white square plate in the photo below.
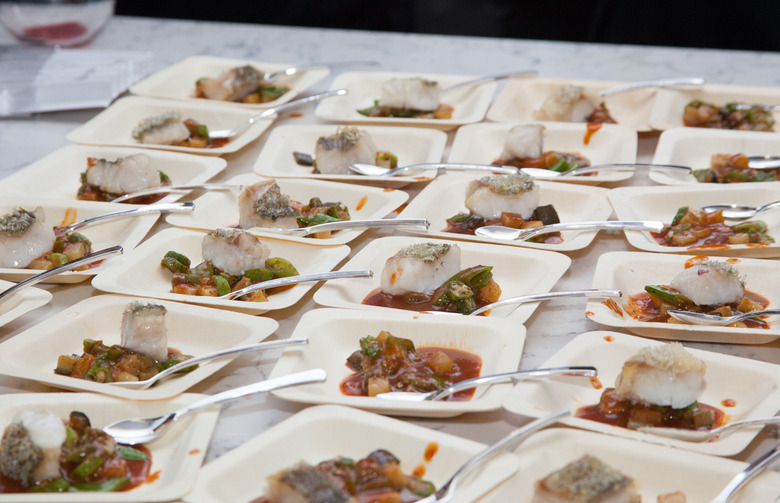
(655, 469)
(470, 103)
(140, 273)
(521, 97)
(127, 232)
(410, 145)
(630, 272)
(613, 143)
(517, 272)
(669, 104)
(177, 455)
(59, 173)
(334, 334)
(22, 302)
(574, 203)
(191, 329)
(324, 432)
(694, 147)
(114, 125)
(752, 384)
(220, 209)
(662, 203)
(177, 82)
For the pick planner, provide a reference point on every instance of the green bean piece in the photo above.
(751, 226)
(678, 216)
(315, 202)
(200, 271)
(258, 275)
(88, 345)
(420, 487)
(89, 466)
(174, 265)
(223, 287)
(668, 296)
(407, 344)
(110, 485)
(203, 131)
(127, 452)
(316, 219)
(370, 347)
(281, 268)
(58, 259)
(58, 485)
(75, 237)
(163, 177)
(179, 257)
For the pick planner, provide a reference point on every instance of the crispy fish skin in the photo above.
(304, 484)
(586, 480)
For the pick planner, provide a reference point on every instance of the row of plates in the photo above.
(640, 110)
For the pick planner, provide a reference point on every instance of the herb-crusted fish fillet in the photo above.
(304, 484)
(586, 480)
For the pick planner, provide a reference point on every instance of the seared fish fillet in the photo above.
(523, 141)
(234, 251)
(420, 267)
(31, 447)
(163, 129)
(264, 205)
(333, 154)
(567, 103)
(710, 283)
(24, 237)
(144, 330)
(124, 175)
(666, 375)
(231, 85)
(411, 94)
(492, 195)
(304, 484)
(586, 480)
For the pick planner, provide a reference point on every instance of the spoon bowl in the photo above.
(178, 188)
(268, 112)
(371, 170)
(738, 211)
(142, 430)
(185, 207)
(707, 435)
(591, 294)
(443, 393)
(186, 364)
(715, 320)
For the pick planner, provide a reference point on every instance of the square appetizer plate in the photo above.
(114, 125)
(177, 82)
(669, 104)
(127, 232)
(334, 334)
(574, 203)
(190, 329)
(410, 145)
(469, 103)
(520, 98)
(662, 203)
(326, 432)
(694, 147)
(752, 385)
(632, 271)
(517, 272)
(612, 143)
(655, 469)
(176, 456)
(59, 173)
(22, 302)
(220, 209)
(139, 273)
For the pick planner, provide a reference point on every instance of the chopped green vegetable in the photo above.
(110, 485)
(89, 466)
(281, 268)
(128, 452)
(223, 287)
(669, 296)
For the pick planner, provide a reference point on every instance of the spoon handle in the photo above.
(548, 296)
(584, 371)
(186, 207)
(54, 271)
(651, 226)
(445, 492)
(590, 169)
(312, 66)
(746, 475)
(261, 346)
(305, 377)
(764, 161)
(488, 78)
(697, 81)
(414, 223)
(284, 106)
(738, 425)
(451, 166)
(178, 188)
(303, 278)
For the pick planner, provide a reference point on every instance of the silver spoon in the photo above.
(413, 223)
(268, 112)
(185, 207)
(595, 293)
(142, 430)
(446, 491)
(548, 173)
(509, 234)
(54, 271)
(695, 81)
(441, 394)
(371, 170)
(746, 475)
(490, 78)
(262, 346)
(715, 320)
(707, 435)
(764, 161)
(738, 211)
(294, 280)
(269, 77)
(178, 188)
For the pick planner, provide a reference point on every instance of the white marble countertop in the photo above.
(25, 140)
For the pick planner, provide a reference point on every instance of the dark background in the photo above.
(748, 24)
